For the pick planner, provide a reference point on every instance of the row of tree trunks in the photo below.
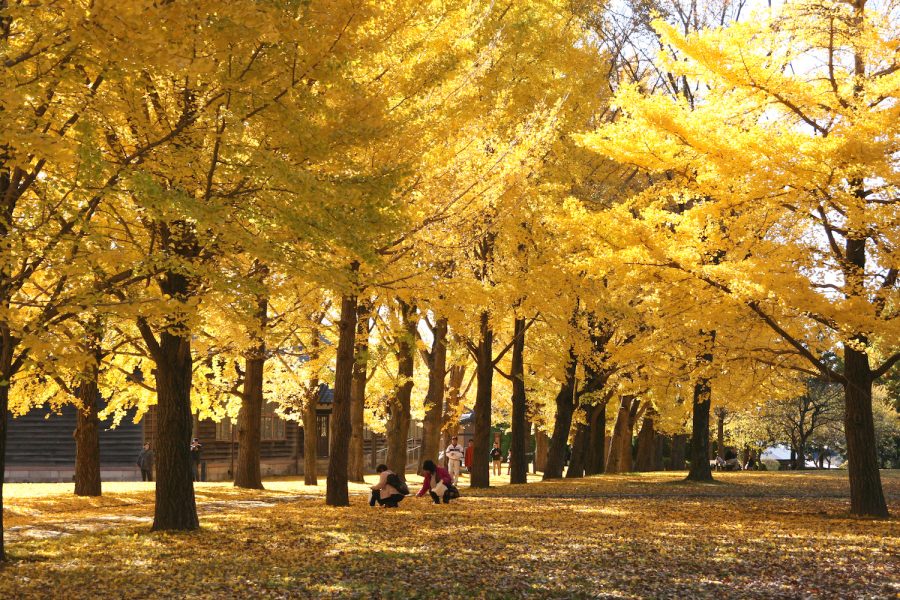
(480, 477)
(399, 404)
(336, 489)
(247, 471)
(520, 427)
(566, 401)
(432, 423)
(356, 466)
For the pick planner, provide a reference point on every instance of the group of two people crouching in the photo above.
(391, 489)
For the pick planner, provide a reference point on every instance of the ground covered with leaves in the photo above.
(750, 535)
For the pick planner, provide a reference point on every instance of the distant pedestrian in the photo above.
(389, 490)
(438, 482)
(196, 449)
(145, 463)
(454, 454)
(496, 458)
(470, 455)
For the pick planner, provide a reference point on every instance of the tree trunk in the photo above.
(720, 432)
(579, 451)
(519, 426)
(87, 427)
(336, 490)
(480, 477)
(6, 357)
(310, 434)
(660, 450)
(432, 424)
(87, 435)
(677, 456)
(399, 404)
(565, 409)
(800, 460)
(596, 454)
(619, 460)
(541, 448)
(866, 494)
(700, 470)
(176, 507)
(356, 467)
(646, 446)
(247, 471)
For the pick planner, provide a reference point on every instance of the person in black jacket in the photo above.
(196, 448)
(145, 462)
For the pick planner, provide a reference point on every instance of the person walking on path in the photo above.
(496, 458)
(438, 483)
(454, 454)
(470, 454)
(387, 492)
(145, 463)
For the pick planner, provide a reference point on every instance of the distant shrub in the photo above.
(771, 465)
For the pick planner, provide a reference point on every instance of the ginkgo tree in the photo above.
(784, 171)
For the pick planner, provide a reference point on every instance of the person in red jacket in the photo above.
(435, 476)
(470, 453)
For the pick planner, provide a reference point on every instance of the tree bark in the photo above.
(176, 507)
(480, 477)
(432, 424)
(660, 450)
(247, 471)
(565, 409)
(866, 494)
(519, 426)
(5, 357)
(596, 456)
(336, 490)
(721, 413)
(579, 451)
(677, 456)
(356, 467)
(399, 404)
(87, 434)
(541, 448)
(310, 441)
(646, 446)
(700, 470)
(619, 460)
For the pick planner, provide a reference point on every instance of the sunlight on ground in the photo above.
(752, 535)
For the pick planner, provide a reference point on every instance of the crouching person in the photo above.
(438, 483)
(389, 490)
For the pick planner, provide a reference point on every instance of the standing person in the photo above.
(438, 483)
(145, 462)
(496, 458)
(196, 448)
(454, 454)
(389, 490)
(470, 454)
